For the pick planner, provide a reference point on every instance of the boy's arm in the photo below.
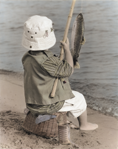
(58, 68)
(68, 55)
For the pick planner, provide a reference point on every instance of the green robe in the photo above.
(40, 72)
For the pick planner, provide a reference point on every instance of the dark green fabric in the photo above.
(47, 109)
(40, 71)
(56, 67)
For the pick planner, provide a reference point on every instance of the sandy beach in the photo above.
(97, 79)
(12, 136)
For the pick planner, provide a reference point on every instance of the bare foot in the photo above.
(89, 126)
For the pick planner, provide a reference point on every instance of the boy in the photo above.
(41, 68)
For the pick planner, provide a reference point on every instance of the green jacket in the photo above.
(40, 72)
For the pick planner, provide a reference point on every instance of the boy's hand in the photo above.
(65, 45)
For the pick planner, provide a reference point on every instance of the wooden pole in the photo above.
(64, 40)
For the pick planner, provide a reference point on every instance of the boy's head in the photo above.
(38, 33)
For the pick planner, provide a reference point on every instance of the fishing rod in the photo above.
(64, 40)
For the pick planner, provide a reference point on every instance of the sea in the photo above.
(97, 78)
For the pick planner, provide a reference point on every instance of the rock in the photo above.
(17, 141)
(8, 111)
(108, 110)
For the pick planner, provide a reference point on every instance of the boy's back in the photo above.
(40, 70)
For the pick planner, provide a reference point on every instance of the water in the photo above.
(98, 77)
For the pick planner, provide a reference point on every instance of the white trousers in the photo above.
(76, 105)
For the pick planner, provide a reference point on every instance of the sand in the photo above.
(12, 136)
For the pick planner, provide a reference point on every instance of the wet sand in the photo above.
(12, 136)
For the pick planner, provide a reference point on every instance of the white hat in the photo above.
(38, 33)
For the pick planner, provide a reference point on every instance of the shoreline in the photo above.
(104, 106)
(95, 96)
(12, 136)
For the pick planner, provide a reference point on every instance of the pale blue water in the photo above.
(98, 77)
